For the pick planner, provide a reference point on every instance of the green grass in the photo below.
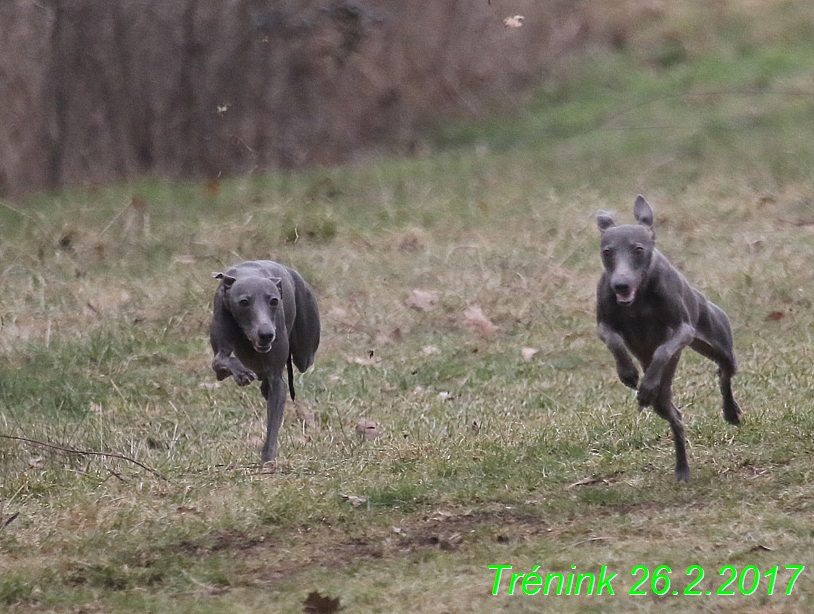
(484, 458)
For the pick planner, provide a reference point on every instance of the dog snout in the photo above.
(621, 287)
(263, 339)
(625, 291)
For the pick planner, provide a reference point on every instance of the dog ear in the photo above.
(604, 219)
(642, 212)
(228, 280)
(277, 281)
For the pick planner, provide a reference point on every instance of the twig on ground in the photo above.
(4, 522)
(68, 450)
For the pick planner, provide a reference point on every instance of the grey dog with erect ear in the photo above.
(266, 315)
(646, 307)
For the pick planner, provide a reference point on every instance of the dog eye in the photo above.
(244, 302)
(273, 302)
(638, 250)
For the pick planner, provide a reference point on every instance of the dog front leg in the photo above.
(275, 403)
(225, 365)
(662, 357)
(222, 334)
(625, 369)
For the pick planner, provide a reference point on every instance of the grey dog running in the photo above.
(265, 318)
(646, 307)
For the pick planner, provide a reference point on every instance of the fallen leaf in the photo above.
(586, 481)
(394, 336)
(306, 416)
(410, 243)
(515, 21)
(528, 353)
(138, 203)
(212, 188)
(365, 361)
(381, 338)
(761, 547)
(299, 440)
(272, 466)
(598, 538)
(369, 429)
(451, 542)
(475, 319)
(475, 427)
(444, 396)
(36, 462)
(423, 300)
(338, 313)
(355, 500)
(317, 604)
(209, 385)
(775, 316)
(441, 515)
(430, 349)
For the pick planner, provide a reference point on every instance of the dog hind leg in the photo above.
(727, 367)
(715, 342)
(732, 412)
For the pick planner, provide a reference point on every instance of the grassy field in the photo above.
(502, 441)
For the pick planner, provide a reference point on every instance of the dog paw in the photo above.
(629, 377)
(732, 413)
(268, 458)
(245, 377)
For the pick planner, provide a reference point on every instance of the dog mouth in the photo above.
(262, 348)
(626, 293)
(626, 299)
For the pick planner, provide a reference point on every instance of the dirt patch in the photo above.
(269, 554)
(230, 540)
(283, 554)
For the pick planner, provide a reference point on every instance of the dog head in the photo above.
(627, 251)
(253, 302)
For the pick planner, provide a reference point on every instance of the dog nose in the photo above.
(265, 337)
(621, 288)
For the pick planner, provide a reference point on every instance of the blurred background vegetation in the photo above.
(99, 91)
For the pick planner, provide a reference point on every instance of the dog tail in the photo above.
(290, 377)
